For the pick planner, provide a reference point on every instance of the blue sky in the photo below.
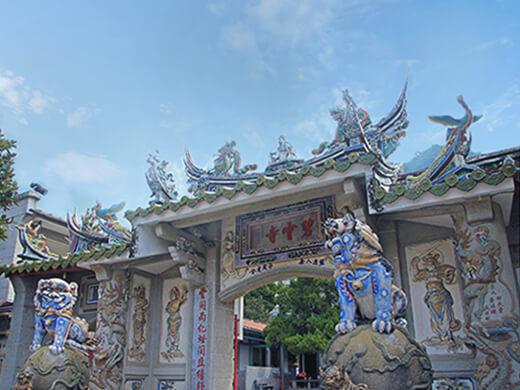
(88, 88)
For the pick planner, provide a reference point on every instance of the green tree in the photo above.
(260, 302)
(8, 185)
(308, 313)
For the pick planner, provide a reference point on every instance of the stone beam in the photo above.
(479, 210)
(180, 257)
(167, 232)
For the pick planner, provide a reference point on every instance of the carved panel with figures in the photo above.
(436, 296)
(175, 326)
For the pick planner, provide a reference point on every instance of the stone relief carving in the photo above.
(491, 326)
(167, 384)
(336, 379)
(107, 369)
(139, 319)
(431, 269)
(454, 384)
(134, 384)
(228, 259)
(177, 297)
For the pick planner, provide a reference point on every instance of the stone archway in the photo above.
(283, 272)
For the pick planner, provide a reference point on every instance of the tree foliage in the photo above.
(260, 302)
(8, 185)
(308, 312)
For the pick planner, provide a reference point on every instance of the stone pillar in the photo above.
(107, 370)
(10, 247)
(491, 313)
(221, 315)
(21, 331)
(389, 239)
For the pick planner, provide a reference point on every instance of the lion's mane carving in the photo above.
(53, 303)
(363, 277)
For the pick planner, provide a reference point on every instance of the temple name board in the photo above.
(282, 234)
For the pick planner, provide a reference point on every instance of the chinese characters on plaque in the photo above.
(290, 233)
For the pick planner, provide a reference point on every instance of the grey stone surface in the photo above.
(22, 325)
(392, 361)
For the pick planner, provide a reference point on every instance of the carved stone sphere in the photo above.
(365, 359)
(65, 371)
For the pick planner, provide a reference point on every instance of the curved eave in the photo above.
(451, 189)
(64, 263)
(262, 184)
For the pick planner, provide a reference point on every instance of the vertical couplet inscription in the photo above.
(200, 339)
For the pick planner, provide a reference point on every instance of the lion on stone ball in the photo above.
(53, 303)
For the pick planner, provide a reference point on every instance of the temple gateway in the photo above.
(160, 296)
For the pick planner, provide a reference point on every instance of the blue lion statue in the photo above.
(53, 303)
(363, 277)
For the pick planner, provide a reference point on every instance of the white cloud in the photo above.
(216, 9)
(316, 129)
(239, 37)
(19, 97)
(497, 113)
(266, 26)
(79, 117)
(166, 108)
(81, 168)
(500, 42)
(292, 20)
(38, 102)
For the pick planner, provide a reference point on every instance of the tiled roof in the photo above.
(252, 325)
(293, 177)
(385, 196)
(63, 262)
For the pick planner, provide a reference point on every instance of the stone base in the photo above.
(65, 371)
(365, 359)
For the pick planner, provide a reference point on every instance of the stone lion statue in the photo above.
(363, 277)
(53, 303)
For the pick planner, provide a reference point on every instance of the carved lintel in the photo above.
(352, 191)
(349, 187)
(182, 258)
(479, 210)
(166, 231)
(193, 276)
(103, 273)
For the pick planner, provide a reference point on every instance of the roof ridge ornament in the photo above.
(97, 228)
(453, 155)
(33, 242)
(284, 157)
(160, 181)
(356, 130)
(355, 134)
(226, 170)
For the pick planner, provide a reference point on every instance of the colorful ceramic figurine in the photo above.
(363, 277)
(99, 228)
(160, 180)
(452, 157)
(356, 131)
(34, 243)
(53, 303)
